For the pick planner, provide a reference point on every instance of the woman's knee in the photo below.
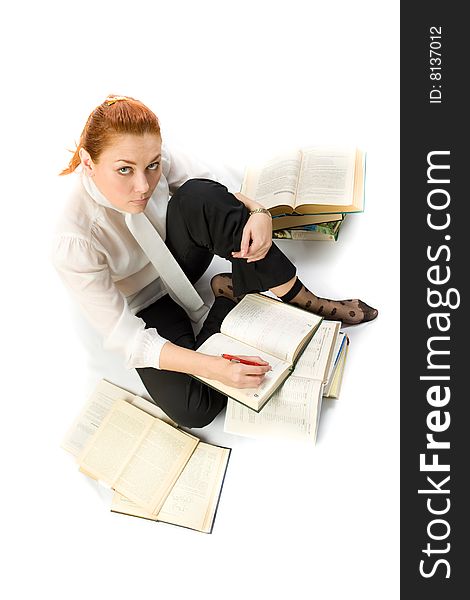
(202, 406)
(201, 187)
(187, 401)
(196, 195)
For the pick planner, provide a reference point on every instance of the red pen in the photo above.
(241, 360)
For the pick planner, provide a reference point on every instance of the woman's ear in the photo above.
(87, 162)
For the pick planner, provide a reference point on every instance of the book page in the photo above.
(97, 407)
(219, 344)
(194, 498)
(291, 413)
(111, 447)
(269, 325)
(92, 415)
(327, 176)
(275, 183)
(315, 360)
(121, 504)
(156, 464)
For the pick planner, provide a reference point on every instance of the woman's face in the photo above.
(127, 172)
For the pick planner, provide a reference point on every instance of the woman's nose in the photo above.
(141, 185)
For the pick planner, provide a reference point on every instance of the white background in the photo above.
(229, 81)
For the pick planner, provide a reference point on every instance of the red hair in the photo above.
(116, 115)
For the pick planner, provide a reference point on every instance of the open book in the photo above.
(194, 498)
(293, 412)
(264, 327)
(162, 473)
(97, 407)
(310, 181)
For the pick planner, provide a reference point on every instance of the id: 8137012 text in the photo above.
(435, 64)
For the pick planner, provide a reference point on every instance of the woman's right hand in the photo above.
(237, 374)
(184, 360)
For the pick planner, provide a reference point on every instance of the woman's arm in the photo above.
(106, 309)
(183, 360)
(257, 233)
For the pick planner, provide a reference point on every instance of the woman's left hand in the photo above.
(256, 238)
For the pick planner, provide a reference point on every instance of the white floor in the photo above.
(291, 517)
(293, 521)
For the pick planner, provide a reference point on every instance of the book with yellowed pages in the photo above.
(161, 472)
(194, 498)
(313, 180)
(293, 412)
(262, 326)
(97, 407)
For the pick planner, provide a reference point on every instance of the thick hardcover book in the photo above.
(293, 412)
(312, 180)
(158, 471)
(264, 327)
(290, 221)
(194, 499)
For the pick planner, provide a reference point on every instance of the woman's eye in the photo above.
(124, 170)
(153, 166)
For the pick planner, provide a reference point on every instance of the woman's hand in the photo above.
(239, 375)
(257, 233)
(184, 360)
(256, 238)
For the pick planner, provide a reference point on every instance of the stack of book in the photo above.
(156, 470)
(160, 472)
(307, 354)
(309, 191)
(293, 411)
(248, 330)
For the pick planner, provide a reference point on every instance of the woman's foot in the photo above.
(350, 312)
(221, 285)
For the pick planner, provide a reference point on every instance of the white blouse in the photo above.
(105, 269)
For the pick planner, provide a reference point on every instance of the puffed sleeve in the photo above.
(85, 273)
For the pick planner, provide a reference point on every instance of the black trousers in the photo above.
(203, 219)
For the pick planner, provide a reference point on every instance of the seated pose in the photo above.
(129, 254)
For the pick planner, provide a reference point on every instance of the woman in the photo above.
(110, 255)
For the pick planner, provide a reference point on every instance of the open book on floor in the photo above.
(193, 500)
(158, 471)
(264, 327)
(312, 180)
(294, 410)
(97, 407)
